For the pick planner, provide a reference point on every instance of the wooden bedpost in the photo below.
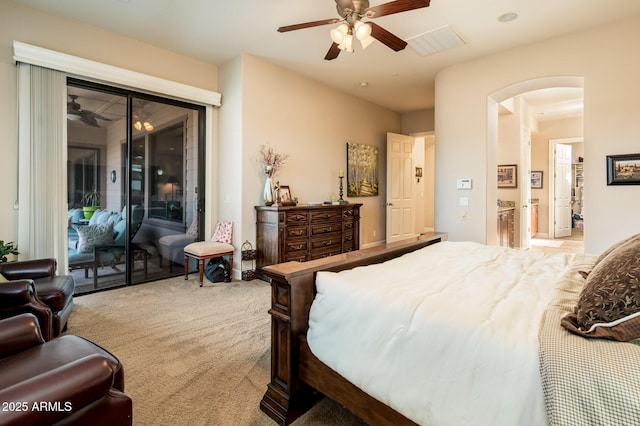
(287, 398)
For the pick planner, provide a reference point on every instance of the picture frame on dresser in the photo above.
(284, 196)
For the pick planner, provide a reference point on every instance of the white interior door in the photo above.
(562, 190)
(400, 187)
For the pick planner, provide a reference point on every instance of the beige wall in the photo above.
(466, 138)
(309, 121)
(30, 26)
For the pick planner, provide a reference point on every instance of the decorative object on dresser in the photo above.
(508, 176)
(284, 195)
(304, 233)
(362, 170)
(272, 162)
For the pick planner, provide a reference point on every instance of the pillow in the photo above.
(609, 304)
(222, 234)
(90, 236)
(600, 258)
(615, 246)
(193, 229)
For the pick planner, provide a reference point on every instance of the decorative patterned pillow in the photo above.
(615, 246)
(223, 231)
(609, 304)
(90, 236)
(193, 229)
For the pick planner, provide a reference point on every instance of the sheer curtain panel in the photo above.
(42, 177)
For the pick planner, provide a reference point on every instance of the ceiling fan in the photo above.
(75, 112)
(351, 14)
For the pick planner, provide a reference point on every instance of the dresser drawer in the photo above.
(328, 215)
(296, 256)
(347, 237)
(328, 240)
(295, 245)
(331, 251)
(296, 232)
(297, 217)
(325, 228)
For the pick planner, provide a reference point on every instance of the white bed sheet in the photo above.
(446, 335)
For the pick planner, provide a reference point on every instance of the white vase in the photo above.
(268, 192)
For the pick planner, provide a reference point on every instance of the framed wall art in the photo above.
(623, 169)
(362, 170)
(536, 180)
(508, 176)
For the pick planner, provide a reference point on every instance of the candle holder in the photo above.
(341, 199)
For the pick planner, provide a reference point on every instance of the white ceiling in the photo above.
(216, 31)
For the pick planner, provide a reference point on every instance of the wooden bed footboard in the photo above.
(289, 395)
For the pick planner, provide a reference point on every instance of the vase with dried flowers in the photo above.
(272, 162)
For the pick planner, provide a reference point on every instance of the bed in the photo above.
(433, 332)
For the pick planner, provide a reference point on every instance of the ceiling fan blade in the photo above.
(333, 52)
(387, 38)
(346, 5)
(395, 7)
(307, 25)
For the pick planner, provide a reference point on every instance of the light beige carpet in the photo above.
(192, 355)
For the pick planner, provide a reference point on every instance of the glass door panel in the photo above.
(139, 156)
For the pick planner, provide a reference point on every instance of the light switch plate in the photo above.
(463, 183)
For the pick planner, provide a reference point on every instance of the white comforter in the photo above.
(446, 335)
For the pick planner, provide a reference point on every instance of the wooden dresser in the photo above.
(302, 233)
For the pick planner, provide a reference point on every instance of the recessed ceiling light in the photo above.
(507, 17)
(364, 84)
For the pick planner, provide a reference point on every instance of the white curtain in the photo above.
(42, 164)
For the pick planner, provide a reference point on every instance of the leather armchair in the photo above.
(68, 380)
(34, 287)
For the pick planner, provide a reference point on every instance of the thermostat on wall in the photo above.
(463, 184)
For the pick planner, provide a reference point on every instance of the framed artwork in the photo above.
(623, 169)
(284, 196)
(536, 180)
(508, 176)
(362, 170)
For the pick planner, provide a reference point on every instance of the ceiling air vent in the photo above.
(436, 40)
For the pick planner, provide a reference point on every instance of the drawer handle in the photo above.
(297, 233)
(298, 247)
(328, 243)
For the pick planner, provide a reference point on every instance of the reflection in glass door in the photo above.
(139, 157)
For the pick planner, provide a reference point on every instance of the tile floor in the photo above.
(572, 244)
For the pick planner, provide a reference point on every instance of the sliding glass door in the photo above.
(136, 160)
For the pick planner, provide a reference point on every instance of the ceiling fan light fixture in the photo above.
(363, 30)
(347, 45)
(367, 42)
(339, 33)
